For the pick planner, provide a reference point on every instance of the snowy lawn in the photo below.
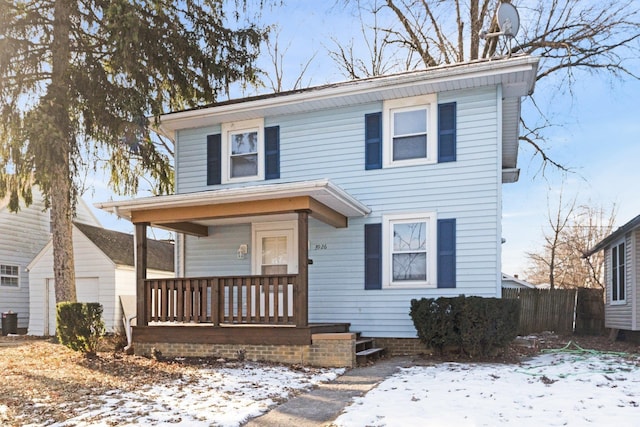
(205, 397)
(553, 389)
(45, 384)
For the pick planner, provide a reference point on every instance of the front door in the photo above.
(275, 252)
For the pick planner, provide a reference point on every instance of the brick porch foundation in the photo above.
(326, 350)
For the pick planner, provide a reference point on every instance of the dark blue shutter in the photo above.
(373, 141)
(214, 159)
(447, 132)
(272, 152)
(373, 256)
(447, 253)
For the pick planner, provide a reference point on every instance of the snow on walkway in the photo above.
(554, 389)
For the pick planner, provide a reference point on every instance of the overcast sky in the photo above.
(598, 136)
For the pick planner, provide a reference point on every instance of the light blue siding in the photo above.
(191, 159)
(216, 253)
(330, 144)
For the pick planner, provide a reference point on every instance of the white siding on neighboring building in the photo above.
(635, 277)
(24, 234)
(330, 144)
(619, 315)
(98, 279)
(93, 270)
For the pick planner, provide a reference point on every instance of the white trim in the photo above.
(430, 219)
(616, 244)
(390, 107)
(288, 228)
(324, 191)
(245, 126)
(11, 276)
(517, 72)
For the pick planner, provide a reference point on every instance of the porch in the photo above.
(263, 312)
(266, 309)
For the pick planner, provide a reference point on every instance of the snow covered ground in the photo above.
(555, 389)
(206, 397)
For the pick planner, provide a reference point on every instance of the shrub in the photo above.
(80, 326)
(475, 326)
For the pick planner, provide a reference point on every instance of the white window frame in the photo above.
(387, 244)
(616, 246)
(11, 276)
(275, 228)
(390, 107)
(232, 128)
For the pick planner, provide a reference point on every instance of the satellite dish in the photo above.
(508, 23)
(508, 19)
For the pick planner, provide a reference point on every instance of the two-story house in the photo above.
(312, 213)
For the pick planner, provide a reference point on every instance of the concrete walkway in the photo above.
(322, 405)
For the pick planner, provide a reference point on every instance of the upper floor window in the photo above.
(409, 250)
(410, 131)
(618, 273)
(243, 151)
(9, 275)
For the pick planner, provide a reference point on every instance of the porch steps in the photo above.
(366, 351)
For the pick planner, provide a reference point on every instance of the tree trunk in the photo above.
(61, 191)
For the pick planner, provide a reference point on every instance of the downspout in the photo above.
(499, 149)
(634, 279)
(128, 331)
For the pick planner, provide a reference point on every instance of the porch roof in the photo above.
(192, 213)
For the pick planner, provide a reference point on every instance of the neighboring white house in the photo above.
(104, 261)
(24, 234)
(513, 282)
(622, 276)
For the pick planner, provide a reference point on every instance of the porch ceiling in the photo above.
(192, 213)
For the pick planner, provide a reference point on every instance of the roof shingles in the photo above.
(119, 247)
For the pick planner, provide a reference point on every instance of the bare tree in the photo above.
(572, 231)
(552, 259)
(568, 35)
(382, 56)
(277, 57)
(590, 226)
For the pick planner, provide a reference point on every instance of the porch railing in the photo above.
(268, 299)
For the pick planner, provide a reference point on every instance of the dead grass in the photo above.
(40, 380)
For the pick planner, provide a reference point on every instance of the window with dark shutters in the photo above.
(214, 159)
(373, 256)
(272, 152)
(404, 149)
(373, 141)
(446, 253)
(447, 132)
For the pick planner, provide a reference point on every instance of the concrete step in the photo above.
(369, 352)
(363, 344)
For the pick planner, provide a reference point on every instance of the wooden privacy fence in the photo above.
(560, 310)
